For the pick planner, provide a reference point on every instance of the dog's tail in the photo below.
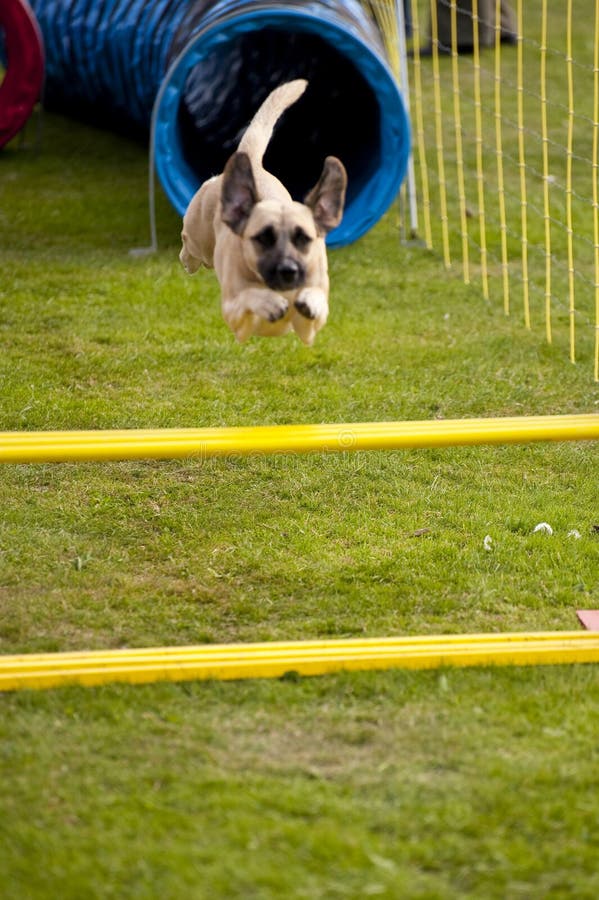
(257, 137)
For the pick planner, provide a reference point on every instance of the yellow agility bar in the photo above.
(173, 443)
(276, 659)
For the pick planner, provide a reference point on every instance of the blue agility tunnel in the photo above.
(193, 72)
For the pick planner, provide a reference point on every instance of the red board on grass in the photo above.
(589, 618)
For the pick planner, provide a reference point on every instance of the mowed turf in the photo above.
(478, 783)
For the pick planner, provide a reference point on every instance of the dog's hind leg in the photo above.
(197, 235)
(190, 263)
(306, 329)
(246, 327)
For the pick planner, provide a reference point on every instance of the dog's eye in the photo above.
(300, 239)
(266, 238)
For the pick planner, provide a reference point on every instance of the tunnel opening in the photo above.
(337, 116)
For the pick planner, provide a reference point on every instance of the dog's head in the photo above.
(281, 241)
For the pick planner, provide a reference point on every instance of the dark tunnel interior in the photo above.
(338, 115)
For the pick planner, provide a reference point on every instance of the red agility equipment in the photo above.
(23, 80)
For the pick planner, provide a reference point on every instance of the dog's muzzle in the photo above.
(286, 275)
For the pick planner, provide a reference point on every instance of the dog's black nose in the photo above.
(288, 272)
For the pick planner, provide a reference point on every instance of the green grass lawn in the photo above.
(459, 783)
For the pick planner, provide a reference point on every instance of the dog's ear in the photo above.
(238, 194)
(327, 197)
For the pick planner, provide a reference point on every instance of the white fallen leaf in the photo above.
(575, 533)
(543, 528)
(488, 542)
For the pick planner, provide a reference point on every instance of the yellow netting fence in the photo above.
(504, 103)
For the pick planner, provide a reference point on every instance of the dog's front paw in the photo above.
(305, 309)
(312, 304)
(266, 304)
(278, 311)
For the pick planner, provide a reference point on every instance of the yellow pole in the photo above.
(478, 129)
(419, 121)
(522, 165)
(439, 134)
(276, 659)
(457, 113)
(499, 151)
(545, 145)
(202, 443)
(595, 177)
(569, 156)
(383, 12)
